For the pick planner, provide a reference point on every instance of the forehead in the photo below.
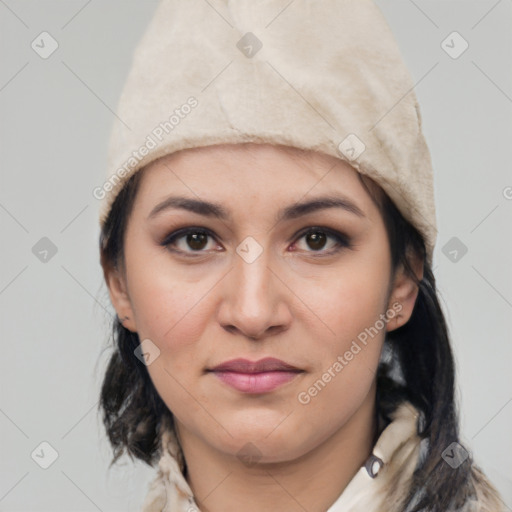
(243, 175)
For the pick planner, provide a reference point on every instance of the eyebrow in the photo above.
(215, 210)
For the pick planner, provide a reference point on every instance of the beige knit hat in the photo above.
(326, 76)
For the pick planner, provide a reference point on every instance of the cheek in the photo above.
(344, 301)
(348, 335)
(168, 300)
(172, 313)
(347, 360)
(350, 329)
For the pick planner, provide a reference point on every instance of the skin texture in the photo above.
(291, 303)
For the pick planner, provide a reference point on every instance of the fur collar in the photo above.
(379, 485)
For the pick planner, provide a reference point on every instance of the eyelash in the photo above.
(342, 240)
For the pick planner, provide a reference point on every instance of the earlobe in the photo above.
(119, 297)
(404, 292)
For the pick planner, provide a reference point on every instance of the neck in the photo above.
(221, 483)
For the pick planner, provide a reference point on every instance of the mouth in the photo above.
(255, 377)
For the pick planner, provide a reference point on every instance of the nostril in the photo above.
(230, 328)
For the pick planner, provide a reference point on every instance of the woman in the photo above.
(268, 228)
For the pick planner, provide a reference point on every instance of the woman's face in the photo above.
(236, 254)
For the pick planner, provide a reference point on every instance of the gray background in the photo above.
(55, 119)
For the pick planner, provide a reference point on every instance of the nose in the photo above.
(255, 300)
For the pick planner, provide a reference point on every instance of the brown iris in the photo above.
(197, 241)
(316, 240)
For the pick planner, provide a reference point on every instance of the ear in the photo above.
(118, 291)
(404, 291)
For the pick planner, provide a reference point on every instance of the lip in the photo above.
(260, 376)
(268, 364)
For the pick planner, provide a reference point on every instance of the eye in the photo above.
(195, 239)
(316, 238)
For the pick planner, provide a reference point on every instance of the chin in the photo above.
(264, 443)
(253, 452)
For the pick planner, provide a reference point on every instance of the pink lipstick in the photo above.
(260, 376)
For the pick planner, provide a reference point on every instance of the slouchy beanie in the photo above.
(324, 76)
